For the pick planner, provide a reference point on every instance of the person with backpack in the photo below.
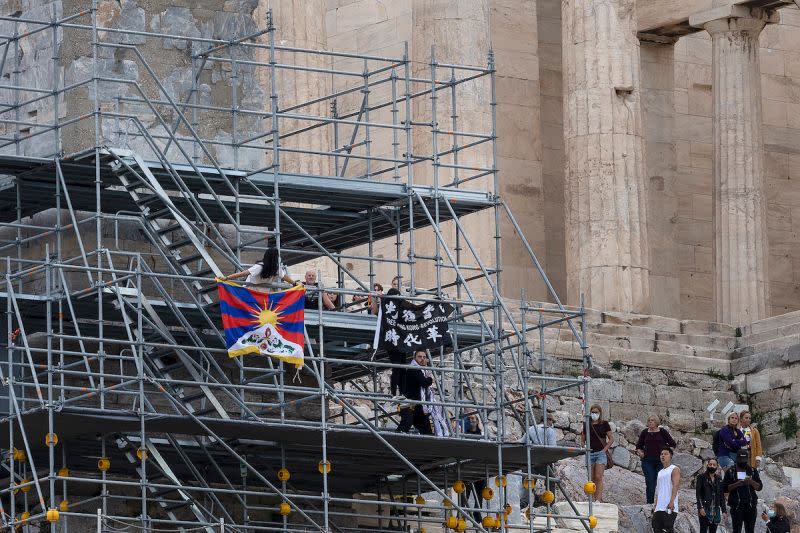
(731, 440)
(710, 498)
(651, 441)
(741, 484)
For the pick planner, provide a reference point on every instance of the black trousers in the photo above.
(664, 522)
(743, 516)
(417, 417)
(397, 381)
(475, 488)
(706, 526)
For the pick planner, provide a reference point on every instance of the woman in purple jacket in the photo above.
(731, 440)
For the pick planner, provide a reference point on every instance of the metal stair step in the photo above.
(174, 506)
(192, 397)
(180, 243)
(159, 214)
(172, 367)
(190, 258)
(171, 227)
(146, 201)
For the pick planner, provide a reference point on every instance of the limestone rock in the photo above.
(632, 429)
(607, 390)
(622, 457)
(689, 465)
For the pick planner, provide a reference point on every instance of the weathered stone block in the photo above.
(688, 463)
(637, 393)
(605, 390)
(778, 443)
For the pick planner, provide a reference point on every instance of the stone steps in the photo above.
(768, 335)
(768, 345)
(651, 344)
(605, 355)
(772, 323)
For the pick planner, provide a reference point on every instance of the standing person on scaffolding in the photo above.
(397, 380)
(313, 295)
(540, 434)
(600, 439)
(416, 385)
(471, 425)
(267, 273)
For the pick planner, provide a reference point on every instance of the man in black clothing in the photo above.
(415, 381)
(396, 357)
(740, 484)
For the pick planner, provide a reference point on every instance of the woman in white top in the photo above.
(268, 272)
(665, 509)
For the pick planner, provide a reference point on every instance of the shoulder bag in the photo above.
(609, 459)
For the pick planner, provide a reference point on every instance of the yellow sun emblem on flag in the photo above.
(268, 315)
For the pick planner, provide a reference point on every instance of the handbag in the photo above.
(609, 459)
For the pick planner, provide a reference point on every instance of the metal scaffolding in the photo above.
(121, 204)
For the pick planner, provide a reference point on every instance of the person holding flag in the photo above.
(268, 272)
(266, 323)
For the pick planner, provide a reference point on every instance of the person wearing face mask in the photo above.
(600, 439)
(710, 498)
(740, 484)
(776, 519)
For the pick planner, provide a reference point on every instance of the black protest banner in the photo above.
(405, 327)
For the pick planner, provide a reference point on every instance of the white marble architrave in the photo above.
(606, 185)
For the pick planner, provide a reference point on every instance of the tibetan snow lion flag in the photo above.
(266, 323)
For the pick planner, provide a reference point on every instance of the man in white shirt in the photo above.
(541, 434)
(538, 435)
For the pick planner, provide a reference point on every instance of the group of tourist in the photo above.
(732, 473)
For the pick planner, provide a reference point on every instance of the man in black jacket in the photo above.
(740, 484)
(414, 383)
(710, 499)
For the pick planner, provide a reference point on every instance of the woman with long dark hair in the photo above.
(267, 272)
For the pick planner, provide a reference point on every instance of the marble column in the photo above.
(606, 186)
(300, 24)
(741, 288)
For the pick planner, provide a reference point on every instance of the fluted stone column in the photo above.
(741, 289)
(301, 24)
(606, 187)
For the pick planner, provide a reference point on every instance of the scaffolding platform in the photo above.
(357, 456)
(340, 213)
